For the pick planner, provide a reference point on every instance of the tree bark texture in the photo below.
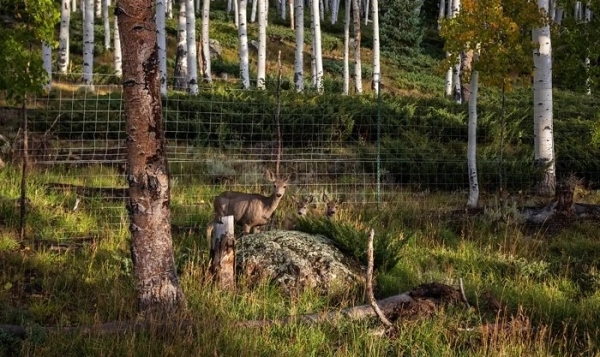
(222, 253)
(157, 286)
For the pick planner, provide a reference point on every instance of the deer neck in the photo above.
(272, 203)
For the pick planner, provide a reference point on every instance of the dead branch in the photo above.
(370, 293)
(462, 293)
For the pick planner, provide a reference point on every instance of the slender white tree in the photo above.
(192, 56)
(292, 16)
(253, 11)
(448, 84)
(63, 37)
(587, 17)
(542, 105)
(181, 71)
(262, 44)
(366, 7)
(346, 86)
(88, 42)
(47, 63)
(357, 38)
(335, 9)
(376, 61)
(313, 56)
(299, 56)
(243, 44)
(74, 6)
(236, 13)
(106, 24)
(473, 199)
(321, 10)
(317, 44)
(161, 40)
(98, 13)
(206, 60)
(456, 67)
(170, 9)
(442, 13)
(118, 58)
(283, 9)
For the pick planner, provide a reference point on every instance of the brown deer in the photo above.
(249, 210)
(302, 205)
(331, 206)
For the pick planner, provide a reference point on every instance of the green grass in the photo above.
(549, 283)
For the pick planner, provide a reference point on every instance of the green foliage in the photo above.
(401, 27)
(352, 241)
(30, 24)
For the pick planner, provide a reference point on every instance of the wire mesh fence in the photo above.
(367, 150)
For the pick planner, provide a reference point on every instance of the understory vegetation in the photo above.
(539, 285)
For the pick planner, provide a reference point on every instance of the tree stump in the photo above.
(222, 253)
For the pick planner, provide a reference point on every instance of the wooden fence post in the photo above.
(222, 253)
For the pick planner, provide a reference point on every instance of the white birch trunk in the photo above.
(88, 43)
(313, 67)
(98, 13)
(473, 200)
(283, 9)
(292, 16)
(230, 6)
(47, 63)
(317, 49)
(299, 56)
(74, 6)
(243, 43)
(448, 84)
(196, 6)
(376, 62)
(169, 9)
(63, 37)
(367, 12)
(542, 106)
(192, 55)
(456, 69)
(346, 85)
(335, 10)
(161, 41)
(207, 70)
(118, 59)
(321, 10)
(106, 24)
(442, 13)
(357, 39)
(254, 11)
(236, 13)
(181, 70)
(262, 44)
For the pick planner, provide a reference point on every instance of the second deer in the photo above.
(249, 210)
(302, 205)
(331, 206)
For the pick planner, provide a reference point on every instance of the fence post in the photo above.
(222, 253)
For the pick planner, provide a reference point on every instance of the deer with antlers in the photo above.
(249, 210)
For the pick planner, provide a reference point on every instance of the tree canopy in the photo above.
(26, 24)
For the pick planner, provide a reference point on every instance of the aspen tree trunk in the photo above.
(63, 37)
(262, 44)
(376, 63)
(346, 86)
(321, 10)
(181, 58)
(299, 55)
(192, 55)
(88, 43)
(243, 43)
(283, 9)
(542, 106)
(47, 63)
(448, 83)
(366, 12)
(118, 60)
(442, 13)
(158, 291)
(457, 66)
(357, 38)
(207, 70)
(473, 200)
(292, 15)
(335, 9)
(98, 13)
(106, 24)
(313, 55)
(74, 6)
(587, 17)
(253, 11)
(169, 9)
(162, 45)
(317, 49)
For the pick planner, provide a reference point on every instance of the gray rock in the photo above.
(296, 261)
(216, 51)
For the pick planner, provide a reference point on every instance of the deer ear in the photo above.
(310, 199)
(269, 175)
(325, 198)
